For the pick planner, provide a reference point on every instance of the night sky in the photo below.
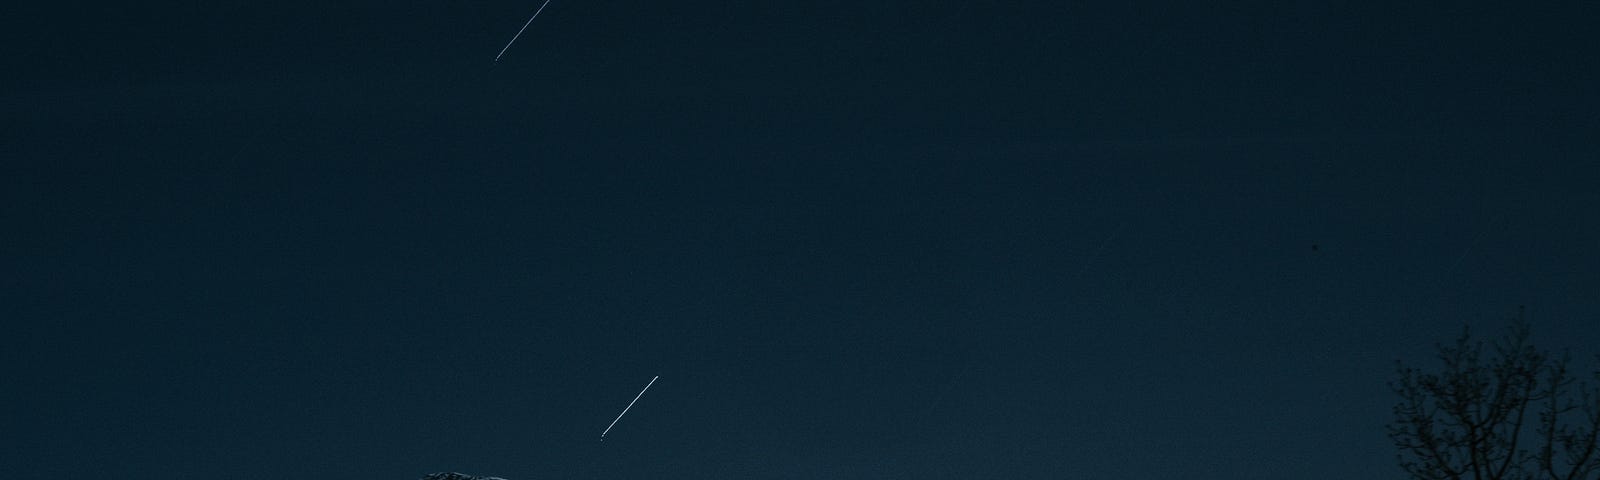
(857, 240)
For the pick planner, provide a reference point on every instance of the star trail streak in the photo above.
(519, 32)
(630, 405)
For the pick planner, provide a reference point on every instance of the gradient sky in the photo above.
(866, 240)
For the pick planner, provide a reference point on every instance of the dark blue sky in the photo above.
(884, 240)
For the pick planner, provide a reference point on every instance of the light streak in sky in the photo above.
(519, 32)
(630, 405)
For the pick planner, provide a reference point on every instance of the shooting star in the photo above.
(625, 410)
(519, 32)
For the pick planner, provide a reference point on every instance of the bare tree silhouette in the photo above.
(1477, 417)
